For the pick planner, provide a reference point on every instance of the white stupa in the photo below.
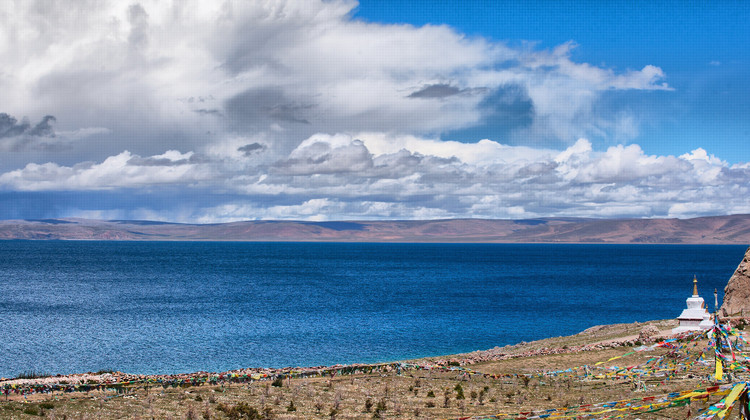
(695, 317)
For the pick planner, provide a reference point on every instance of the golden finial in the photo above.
(695, 285)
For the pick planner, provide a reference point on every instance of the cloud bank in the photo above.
(297, 110)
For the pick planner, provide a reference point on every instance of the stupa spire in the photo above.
(695, 317)
(695, 285)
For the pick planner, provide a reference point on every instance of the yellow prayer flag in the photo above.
(731, 398)
(719, 371)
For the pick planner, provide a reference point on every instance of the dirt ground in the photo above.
(503, 381)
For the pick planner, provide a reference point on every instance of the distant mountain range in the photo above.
(733, 229)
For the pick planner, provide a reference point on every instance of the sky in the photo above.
(209, 112)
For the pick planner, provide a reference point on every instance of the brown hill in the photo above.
(733, 229)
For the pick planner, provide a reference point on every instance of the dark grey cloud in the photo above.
(157, 161)
(44, 128)
(204, 111)
(18, 136)
(443, 90)
(10, 127)
(436, 91)
(258, 107)
(138, 19)
(251, 148)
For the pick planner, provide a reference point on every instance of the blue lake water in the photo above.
(153, 307)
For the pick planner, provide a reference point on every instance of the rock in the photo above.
(647, 333)
(737, 293)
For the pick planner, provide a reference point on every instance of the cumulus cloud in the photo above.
(292, 109)
(287, 69)
(124, 170)
(376, 175)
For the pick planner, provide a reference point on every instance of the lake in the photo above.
(171, 307)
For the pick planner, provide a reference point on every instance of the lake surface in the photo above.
(153, 307)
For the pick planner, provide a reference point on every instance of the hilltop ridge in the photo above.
(733, 229)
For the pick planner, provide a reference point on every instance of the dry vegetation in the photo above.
(411, 394)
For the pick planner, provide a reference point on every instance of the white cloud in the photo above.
(121, 171)
(161, 74)
(376, 175)
(508, 181)
(293, 109)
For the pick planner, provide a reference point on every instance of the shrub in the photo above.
(267, 413)
(431, 394)
(368, 405)
(278, 382)
(291, 406)
(32, 374)
(191, 414)
(47, 405)
(239, 411)
(459, 392)
(31, 410)
(381, 406)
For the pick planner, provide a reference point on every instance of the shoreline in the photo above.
(641, 366)
(610, 335)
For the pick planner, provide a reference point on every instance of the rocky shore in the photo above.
(526, 377)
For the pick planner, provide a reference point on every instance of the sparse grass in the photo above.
(351, 396)
(32, 374)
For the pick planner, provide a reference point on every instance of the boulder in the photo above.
(737, 293)
(648, 333)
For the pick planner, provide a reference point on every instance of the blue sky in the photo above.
(700, 47)
(329, 110)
